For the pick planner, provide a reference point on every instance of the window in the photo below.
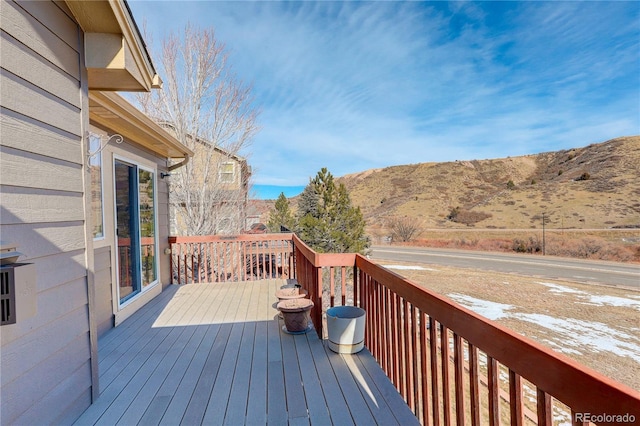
(95, 168)
(227, 173)
(135, 229)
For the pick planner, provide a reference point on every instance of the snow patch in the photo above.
(557, 288)
(595, 336)
(569, 335)
(631, 301)
(615, 301)
(491, 310)
(408, 268)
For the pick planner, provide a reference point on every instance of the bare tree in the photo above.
(209, 110)
(402, 228)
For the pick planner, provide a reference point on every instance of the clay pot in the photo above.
(295, 313)
(289, 293)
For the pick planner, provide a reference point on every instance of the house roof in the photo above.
(112, 111)
(116, 56)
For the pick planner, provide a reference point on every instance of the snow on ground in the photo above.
(557, 288)
(569, 335)
(632, 301)
(408, 268)
(593, 336)
(615, 301)
(491, 310)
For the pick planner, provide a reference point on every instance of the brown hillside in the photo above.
(594, 187)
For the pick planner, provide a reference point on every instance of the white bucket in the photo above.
(345, 327)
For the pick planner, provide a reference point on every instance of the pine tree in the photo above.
(281, 215)
(327, 220)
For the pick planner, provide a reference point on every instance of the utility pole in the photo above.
(543, 236)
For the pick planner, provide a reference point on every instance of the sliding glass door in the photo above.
(135, 228)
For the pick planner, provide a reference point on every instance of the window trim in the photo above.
(222, 173)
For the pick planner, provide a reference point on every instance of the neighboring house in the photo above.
(90, 217)
(226, 195)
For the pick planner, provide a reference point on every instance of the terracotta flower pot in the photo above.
(295, 313)
(289, 293)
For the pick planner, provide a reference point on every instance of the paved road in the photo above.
(592, 272)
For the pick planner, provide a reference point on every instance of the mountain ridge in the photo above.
(596, 186)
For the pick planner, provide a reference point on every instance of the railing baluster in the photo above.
(544, 408)
(515, 398)
(494, 391)
(386, 329)
(401, 353)
(424, 377)
(199, 272)
(458, 359)
(191, 253)
(474, 385)
(243, 262)
(374, 307)
(395, 342)
(332, 288)
(343, 288)
(415, 355)
(397, 330)
(446, 389)
(433, 353)
(364, 304)
(408, 357)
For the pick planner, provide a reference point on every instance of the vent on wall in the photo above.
(8, 296)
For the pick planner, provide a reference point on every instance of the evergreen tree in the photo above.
(327, 220)
(281, 215)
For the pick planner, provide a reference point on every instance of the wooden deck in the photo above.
(216, 354)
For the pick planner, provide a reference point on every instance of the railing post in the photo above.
(171, 262)
(318, 312)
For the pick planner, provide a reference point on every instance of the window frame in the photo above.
(222, 173)
(143, 288)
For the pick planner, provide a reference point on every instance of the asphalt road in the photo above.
(582, 271)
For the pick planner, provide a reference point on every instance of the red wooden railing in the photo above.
(216, 258)
(451, 365)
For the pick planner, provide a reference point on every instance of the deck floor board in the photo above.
(216, 354)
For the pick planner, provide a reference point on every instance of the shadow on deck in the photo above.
(216, 354)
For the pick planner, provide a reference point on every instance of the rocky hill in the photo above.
(594, 187)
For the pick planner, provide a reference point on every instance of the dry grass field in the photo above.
(594, 187)
(597, 326)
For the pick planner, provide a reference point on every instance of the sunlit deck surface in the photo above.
(216, 354)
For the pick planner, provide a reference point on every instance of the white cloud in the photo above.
(357, 85)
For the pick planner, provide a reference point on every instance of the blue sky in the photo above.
(358, 85)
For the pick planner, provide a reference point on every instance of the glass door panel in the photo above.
(146, 197)
(126, 198)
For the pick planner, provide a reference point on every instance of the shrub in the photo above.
(511, 185)
(532, 245)
(467, 217)
(584, 176)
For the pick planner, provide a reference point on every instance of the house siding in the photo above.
(104, 299)
(46, 359)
